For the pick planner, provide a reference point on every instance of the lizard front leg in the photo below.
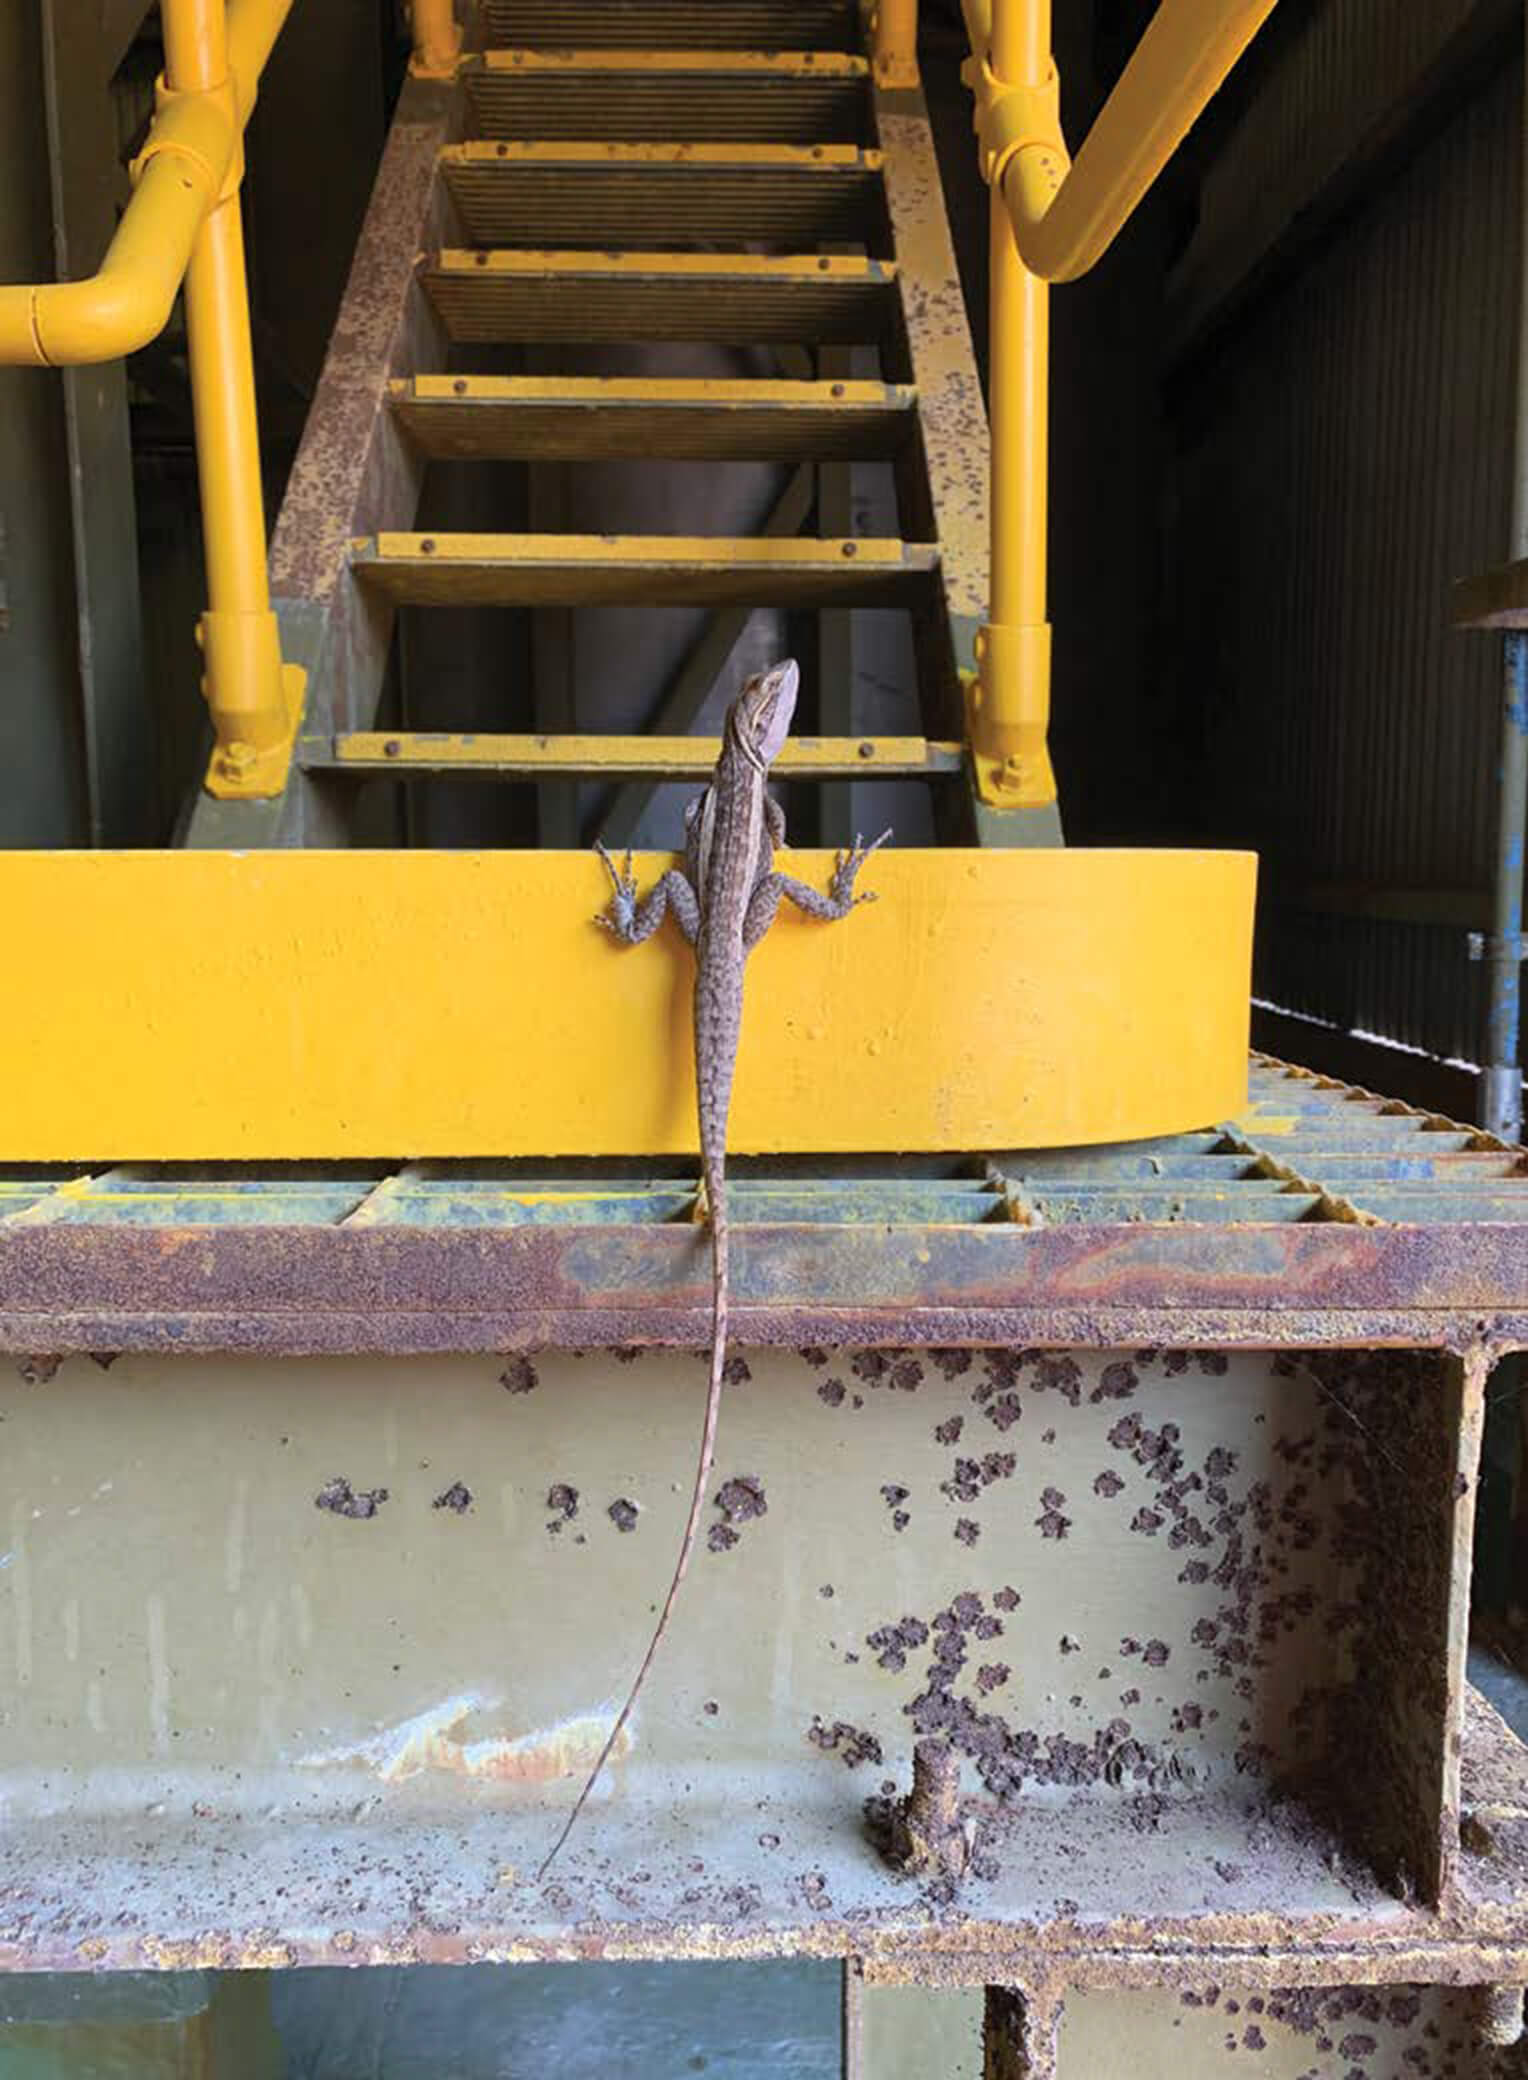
(631, 921)
(838, 902)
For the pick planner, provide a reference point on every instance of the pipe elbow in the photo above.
(113, 313)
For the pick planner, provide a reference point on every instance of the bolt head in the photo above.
(238, 756)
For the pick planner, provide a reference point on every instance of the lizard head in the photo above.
(761, 715)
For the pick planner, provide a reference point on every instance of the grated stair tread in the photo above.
(573, 417)
(644, 570)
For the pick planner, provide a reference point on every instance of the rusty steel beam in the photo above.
(286, 1290)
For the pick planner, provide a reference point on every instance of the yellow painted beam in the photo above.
(307, 1004)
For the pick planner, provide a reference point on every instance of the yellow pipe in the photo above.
(437, 39)
(244, 683)
(183, 222)
(129, 301)
(253, 26)
(1051, 221)
(1065, 218)
(252, 697)
(185, 166)
(1010, 700)
(894, 42)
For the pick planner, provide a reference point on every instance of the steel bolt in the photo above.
(851, 548)
(238, 756)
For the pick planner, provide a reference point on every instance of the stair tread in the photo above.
(678, 24)
(576, 191)
(627, 96)
(638, 58)
(563, 294)
(577, 154)
(644, 570)
(506, 754)
(571, 416)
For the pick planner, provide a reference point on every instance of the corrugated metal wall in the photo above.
(1343, 452)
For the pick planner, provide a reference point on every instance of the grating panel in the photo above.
(1294, 1128)
(667, 195)
(550, 297)
(751, 97)
(675, 24)
(581, 417)
(644, 570)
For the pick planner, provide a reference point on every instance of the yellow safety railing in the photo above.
(183, 224)
(1052, 219)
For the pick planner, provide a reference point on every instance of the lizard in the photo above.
(724, 902)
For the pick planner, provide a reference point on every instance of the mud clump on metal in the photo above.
(457, 1497)
(342, 1500)
(740, 1499)
(562, 1500)
(851, 1744)
(623, 1513)
(519, 1376)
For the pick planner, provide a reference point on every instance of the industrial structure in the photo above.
(1078, 1651)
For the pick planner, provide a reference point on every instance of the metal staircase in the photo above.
(672, 182)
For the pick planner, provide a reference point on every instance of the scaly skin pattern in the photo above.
(724, 902)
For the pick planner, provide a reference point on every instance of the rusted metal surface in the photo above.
(1288, 2033)
(291, 1290)
(1020, 2036)
(281, 1731)
(1218, 1238)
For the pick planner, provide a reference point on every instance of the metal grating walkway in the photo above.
(1305, 1150)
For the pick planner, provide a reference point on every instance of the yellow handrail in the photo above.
(182, 223)
(1066, 215)
(894, 42)
(1052, 220)
(191, 151)
(437, 39)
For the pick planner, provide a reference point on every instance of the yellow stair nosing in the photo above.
(580, 392)
(772, 64)
(666, 551)
(491, 260)
(578, 154)
(492, 751)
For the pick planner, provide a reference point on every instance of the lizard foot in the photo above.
(620, 914)
(848, 865)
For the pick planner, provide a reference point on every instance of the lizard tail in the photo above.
(715, 1195)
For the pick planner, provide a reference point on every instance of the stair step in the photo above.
(733, 299)
(628, 96)
(511, 757)
(675, 24)
(570, 570)
(668, 194)
(565, 418)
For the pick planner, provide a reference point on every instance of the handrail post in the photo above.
(254, 699)
(1009, 701)
(437, 39)
(894, 43)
